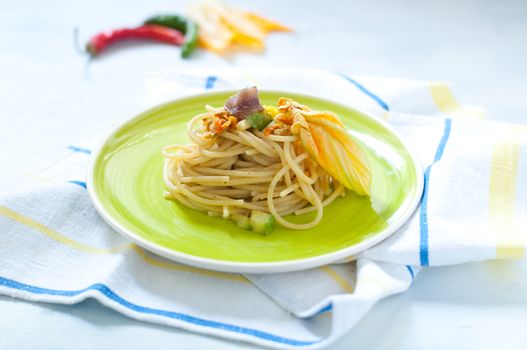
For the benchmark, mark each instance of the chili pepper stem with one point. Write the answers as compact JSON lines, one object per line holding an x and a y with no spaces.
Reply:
{"x":77,"y":44}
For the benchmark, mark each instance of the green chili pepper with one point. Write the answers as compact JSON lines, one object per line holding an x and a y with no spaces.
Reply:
{"x":186,"y":26}
{"x":191,"y":39}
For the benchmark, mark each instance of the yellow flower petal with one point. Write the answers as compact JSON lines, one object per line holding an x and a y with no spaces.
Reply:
{"x":245,"y":32}
{"x":338,"y":153}
{"x":213,"y":33}
{"x":267,"y":25}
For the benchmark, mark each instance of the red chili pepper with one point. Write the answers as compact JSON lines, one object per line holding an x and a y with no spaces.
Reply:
{"x":149,"y":31}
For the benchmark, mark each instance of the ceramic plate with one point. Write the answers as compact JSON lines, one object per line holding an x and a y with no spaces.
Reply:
{"x":126,"y":185}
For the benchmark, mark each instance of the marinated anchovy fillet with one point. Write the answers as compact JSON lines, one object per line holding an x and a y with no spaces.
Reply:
{"x":244,"y":103}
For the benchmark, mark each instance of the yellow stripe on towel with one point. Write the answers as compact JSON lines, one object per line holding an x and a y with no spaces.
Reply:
{"x":39,"y":178}
{"x":447,"y":103}
{"x":60,"y":238}
{"x":502,"y":193}
{"x":54,"y":235}
{"x":341,"y":281}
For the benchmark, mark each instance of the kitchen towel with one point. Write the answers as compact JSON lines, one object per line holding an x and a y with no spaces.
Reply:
{"x":55,"y":248}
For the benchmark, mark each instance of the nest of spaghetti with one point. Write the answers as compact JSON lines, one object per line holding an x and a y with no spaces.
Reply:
{"x":256,"y":164}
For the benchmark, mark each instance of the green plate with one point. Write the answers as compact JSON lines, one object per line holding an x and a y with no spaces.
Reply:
{"x":126,"y":185}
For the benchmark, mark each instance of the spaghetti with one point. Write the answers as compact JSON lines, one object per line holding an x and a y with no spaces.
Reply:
{"x":231,"y":169}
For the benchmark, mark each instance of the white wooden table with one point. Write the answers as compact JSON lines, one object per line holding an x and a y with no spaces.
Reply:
{"x":47,"y":102}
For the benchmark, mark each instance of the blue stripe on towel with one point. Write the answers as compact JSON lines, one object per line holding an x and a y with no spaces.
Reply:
{"x":108,"y":293}
{"x":326,"y":308}
{"x":409,"y":268}
{"x":80,"y":183}
{"x":423,"y":215}
{"x":367,"y":92}
{"x":444,"y":139}
{"x":79,"y":149}
{"x":209,"y":84}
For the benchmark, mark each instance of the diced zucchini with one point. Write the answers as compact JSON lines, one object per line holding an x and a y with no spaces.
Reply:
{"x":262,"y":222}
{"x":258,"y":120}
{"x":242,"y":221}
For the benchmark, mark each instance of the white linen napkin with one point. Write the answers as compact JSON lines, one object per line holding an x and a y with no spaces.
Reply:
{"x":55,"y":248}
